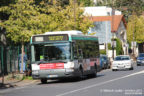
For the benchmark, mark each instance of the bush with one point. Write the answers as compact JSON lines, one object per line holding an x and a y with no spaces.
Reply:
{"x":103,"y":52}
{"x":119,"y":50}
{"x":109,"y":46}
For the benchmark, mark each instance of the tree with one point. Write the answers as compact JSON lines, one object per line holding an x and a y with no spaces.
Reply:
{"x":27,"y":17}
{"x":135,"y":29}
{"x":128,"y":7}
{"x":86,"y":2}
{"x":119,"y":50}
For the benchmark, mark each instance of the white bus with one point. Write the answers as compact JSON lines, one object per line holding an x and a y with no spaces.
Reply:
{"x":62,"y":54}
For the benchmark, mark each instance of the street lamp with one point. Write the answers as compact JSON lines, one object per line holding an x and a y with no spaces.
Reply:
{"x":112,"y":30}
{"x":75,"y":13}
{"x":113,"y":45}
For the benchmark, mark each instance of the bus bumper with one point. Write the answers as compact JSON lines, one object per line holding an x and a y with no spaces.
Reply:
{"x":54,"y":73}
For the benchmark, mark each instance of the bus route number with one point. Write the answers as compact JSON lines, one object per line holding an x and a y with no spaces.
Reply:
{"x":55,"y":38}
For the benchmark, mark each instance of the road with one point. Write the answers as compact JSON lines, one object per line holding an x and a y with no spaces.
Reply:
{"x":107,"y":83}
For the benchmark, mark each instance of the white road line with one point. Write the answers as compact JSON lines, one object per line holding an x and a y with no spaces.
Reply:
{"x":102,"y":83}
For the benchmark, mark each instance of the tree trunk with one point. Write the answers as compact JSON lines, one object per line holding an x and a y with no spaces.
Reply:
{"x":22,"y":55}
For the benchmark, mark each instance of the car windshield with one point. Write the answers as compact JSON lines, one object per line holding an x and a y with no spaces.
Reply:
{"x":103,"y":58}
{"x":119,"y":58}
{"x":52,"y":52}
{"x":141,"y":55}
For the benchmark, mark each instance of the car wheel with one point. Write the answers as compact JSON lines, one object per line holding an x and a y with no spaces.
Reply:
{"x":138,"y":64}
{"x":114,"y":70}
{"x":43,"y":81}
{"x":131,"y":68}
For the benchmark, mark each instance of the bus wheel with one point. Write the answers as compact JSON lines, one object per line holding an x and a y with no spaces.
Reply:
{"x":81,"y":72}
{"x":95,"y":73}
{"x":43,"y":81}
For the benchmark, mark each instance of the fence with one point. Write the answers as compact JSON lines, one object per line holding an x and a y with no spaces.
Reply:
{"x":9,"y":58}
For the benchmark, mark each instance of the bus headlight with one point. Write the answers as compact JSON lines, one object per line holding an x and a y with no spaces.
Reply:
{"x":69,"y":65}
{"x":35,"y":72}
{"x":35,"y":67}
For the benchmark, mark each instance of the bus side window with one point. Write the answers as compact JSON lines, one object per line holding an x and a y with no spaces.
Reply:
{"x":80,"y":53}
{"x":75,"y":54}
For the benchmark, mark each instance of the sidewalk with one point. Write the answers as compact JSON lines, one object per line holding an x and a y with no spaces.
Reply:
{"x":16,"y":81}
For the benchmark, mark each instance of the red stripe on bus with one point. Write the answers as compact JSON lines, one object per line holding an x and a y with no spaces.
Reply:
{"x":52,"y":66}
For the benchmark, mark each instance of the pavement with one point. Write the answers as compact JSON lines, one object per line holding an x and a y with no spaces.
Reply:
{"x":16,"y":80}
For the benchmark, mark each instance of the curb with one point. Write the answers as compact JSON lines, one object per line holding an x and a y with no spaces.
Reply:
{"x":33,"y":81}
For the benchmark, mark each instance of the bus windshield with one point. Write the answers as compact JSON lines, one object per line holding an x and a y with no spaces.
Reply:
{"x":52,"y":52}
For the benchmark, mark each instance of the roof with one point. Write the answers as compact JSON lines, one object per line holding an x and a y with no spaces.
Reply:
{"x":116,"y":20}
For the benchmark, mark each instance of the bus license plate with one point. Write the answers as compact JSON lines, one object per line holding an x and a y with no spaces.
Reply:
{"x":52,"y":75}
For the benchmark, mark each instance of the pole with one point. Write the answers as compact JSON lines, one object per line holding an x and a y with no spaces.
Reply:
{"x":106,"y":38}
{"x":112,"y":30}
{"x":22,"y":55}
{"x":133,"y":38}
{"x":75,"y":14}
{"x":2,"y":65}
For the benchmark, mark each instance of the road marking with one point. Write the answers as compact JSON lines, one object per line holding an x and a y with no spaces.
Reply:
{"x":102,"y":83}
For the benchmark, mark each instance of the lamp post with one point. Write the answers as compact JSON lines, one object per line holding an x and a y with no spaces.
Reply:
{"x":112,"y":30}
{"x":75,"y":14}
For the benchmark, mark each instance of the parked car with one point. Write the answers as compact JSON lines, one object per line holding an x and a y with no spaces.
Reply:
{"x":104,"y":62}
{"x":122,"y":62}
{"x":140,"y":59}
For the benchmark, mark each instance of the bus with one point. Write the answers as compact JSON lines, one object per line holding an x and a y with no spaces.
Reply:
{"x":63,"y":54}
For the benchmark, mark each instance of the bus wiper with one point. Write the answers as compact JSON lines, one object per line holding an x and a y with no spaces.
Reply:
{"x":61,"y":61}
{"x":41,"y":62}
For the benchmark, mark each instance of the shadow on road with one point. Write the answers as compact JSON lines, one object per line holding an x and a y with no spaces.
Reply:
{"x":70,"y":80}
{"x":6,"y":86}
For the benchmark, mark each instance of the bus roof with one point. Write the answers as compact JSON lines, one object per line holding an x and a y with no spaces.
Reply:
{"x":62,"y":36}
{"x":72,"y":32}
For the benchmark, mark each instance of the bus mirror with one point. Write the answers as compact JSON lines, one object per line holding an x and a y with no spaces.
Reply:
{"x":75,"y":57}
{"x":73,"y":44}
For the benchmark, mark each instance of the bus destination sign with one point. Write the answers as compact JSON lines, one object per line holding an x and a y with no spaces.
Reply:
{"x":47,"y":38}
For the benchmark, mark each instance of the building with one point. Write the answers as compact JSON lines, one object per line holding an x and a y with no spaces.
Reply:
{"x":100,"y":11}
{"x":108,"y":25}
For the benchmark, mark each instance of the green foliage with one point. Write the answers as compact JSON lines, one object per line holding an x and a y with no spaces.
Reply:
{"x":86,"y":2}
{"x":135,"y":28}
{"x":27,"y":17}
{"x":27,"y":78}
{"x":109,"y":46}
{"x":119,"y":50}
{"x":128,"y":7}
{"x":103,"y":52}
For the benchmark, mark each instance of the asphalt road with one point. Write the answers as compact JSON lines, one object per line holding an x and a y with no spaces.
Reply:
{"x":108,"y":83}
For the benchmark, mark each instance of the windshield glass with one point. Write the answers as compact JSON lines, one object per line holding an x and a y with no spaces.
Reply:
{"x":141,"y":55}
{"x":52,"y":52}
{"x":118,"y":58}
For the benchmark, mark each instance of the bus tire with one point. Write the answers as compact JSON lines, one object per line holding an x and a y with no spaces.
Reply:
{"x":43,"y":81}
{"x":81,"y":72}
{"x":95,"y":73}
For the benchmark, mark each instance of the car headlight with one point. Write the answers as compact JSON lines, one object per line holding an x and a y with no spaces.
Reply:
{"x":128,"y":64}
{"x":138,"y":60}
{"x":114,"y":64}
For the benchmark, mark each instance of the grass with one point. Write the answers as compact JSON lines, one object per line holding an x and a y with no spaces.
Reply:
{"x":27,"y":78}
